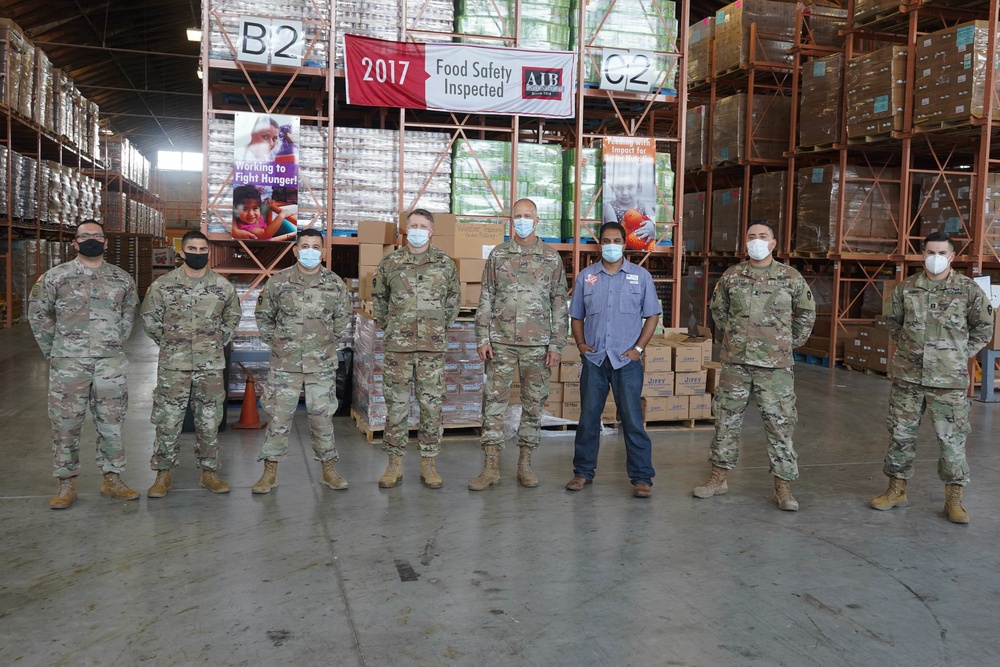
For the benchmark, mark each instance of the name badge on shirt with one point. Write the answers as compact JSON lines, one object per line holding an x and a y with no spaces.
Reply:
{"x":632,"y":278}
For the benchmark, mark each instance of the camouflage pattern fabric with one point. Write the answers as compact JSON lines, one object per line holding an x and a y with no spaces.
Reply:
{"x":534,"y":392}
{"x":281,"y":397}
{"x":426,"y":370}
{"x":764,"y":314}
{"x":192,"y":320}
{"x":774,"y":391}
{"x":76,"y":311}
{"x":523,"y":299}
{"x":415,"y":297}
{"x":949,"y":409}
{"x":302,"y":318}
{"x":73,"y":383}
{"x":174,"y":389}
{"x":938,"y":326}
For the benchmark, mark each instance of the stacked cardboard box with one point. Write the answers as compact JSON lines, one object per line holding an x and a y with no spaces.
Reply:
{"x":727,"y":216}
{"x":376,"y":239}
{"x":771,"y":116}
{"x":822,"y":101}
{"x":469,"y":244}
{"x":944,"y":205}
{"x":951,"y":75}
{"x":695,"y":141}
{"x":699,"y":60}
{"x":767,"y":198}
{"x":871,"y":348}
{"x":867,"y":9}
{"x":677,"y":376}
{"x":869,"y":207}
{"x":876,"y":86}
{"x":775,"y":30}
{"x":826,"y":21}
{"x":694,"y":222}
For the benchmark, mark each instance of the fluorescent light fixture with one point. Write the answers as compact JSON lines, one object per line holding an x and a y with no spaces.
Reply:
{"x":201,"y":75}
{"x":194,"y":34}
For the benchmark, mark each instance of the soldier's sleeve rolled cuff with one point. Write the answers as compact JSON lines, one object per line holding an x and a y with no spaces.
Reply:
{"x":556,"y":349}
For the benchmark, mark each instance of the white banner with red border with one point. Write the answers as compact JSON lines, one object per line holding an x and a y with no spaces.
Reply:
{"x":459,"y":77}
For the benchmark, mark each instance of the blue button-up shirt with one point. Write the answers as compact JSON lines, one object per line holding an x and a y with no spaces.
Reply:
{"x":613,"y":308}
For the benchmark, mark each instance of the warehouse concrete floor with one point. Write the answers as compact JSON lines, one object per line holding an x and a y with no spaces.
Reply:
{"x":510,"y":576}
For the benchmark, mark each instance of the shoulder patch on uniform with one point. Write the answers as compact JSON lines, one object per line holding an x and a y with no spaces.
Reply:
{"x":989,"y":308}
{"x":260,"y":298}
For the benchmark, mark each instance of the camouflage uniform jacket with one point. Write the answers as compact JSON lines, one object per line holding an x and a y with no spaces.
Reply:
{"x":415,"y":297}
{"x":523,"y":300}
{"x":76,"y":311}
{"x":937,"y":327}
{"x":191,"y":319}
{"x":302,"y":318}
{"x":763,"y":317}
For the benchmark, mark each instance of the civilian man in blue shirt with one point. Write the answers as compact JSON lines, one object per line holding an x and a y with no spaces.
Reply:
{"x":613,"y":315}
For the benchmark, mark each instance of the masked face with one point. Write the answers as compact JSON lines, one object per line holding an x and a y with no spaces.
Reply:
{"x":936,"y":264}
{"x":90,"y":241}
{"x":612,"y":252}
{"x":418,"y":238}
{"x":196,"y":261}
{"x":937,"y":257}
{"x":758,"y":249}
{"x":310,"y":257}
{"x":524,"y":226}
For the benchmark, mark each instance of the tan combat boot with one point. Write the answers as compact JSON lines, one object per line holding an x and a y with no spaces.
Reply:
{"x":160,"y":485}
{"x":66,"y":494}
{"x":490,"y":476}
{"x":331,"y":478}
{"x":953,"y":504}
{"x":783,"y":496}
{"x":524,"y":474}
{"x":428,"y":473}
{"x":268,"y":479}
{"x":210,"y":480}
{"x":114,"y":487}
{"x":894,"y":496}
{"x":393,"y":474}
{"x":715,"y":486}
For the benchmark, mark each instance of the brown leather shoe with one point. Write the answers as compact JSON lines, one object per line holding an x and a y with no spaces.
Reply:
{"x":578,"y":483}
{"x":642,"y":490}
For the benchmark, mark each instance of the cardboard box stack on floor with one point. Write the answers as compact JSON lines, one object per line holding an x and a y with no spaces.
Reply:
{"x":375,"y":241}
{"x":679,"y":376}
{"x":469,"y":244}
{"x":871,"y":348}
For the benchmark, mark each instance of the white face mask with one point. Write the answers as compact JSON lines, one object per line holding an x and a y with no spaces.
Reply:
{"x":936,"y":264}
{"x":523,"y":227}
{"x":418,"y":238}
{"x":758,"y":249}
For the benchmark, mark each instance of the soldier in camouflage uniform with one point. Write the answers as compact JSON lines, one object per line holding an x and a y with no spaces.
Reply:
{"x":302,"y":313}
{"x":765,"y":310}
{"x":81,"y":313}
{"x":192,"y":314}
{"x":938,"y":319}
{"x":415,"y":296}
{"x":522,"y":323}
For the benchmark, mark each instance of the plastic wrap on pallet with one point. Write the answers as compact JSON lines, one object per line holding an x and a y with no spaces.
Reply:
{"x":699,"y":61}
{"x":876,"y":86}
{"x":314,"y":15}
{"x":771,"y":118}
{"x":727,"y":216}
{"x":694,"y":222}
{"x":651,"y":26}
{"x":822,"y":101}
{"x":540,"y":178}
{"x":826,"y":21}
{"x":591,"y":205}
{"x":951,"y":75}
{"x":866,"y":9}
{"x":944,"y":205}
{"x":767,"y":198}
{"x":664,"y":198}
{"x":695,"y":139}
{"x":480,"y":177}
{"x":775,"y":30}
{"x":869,"y":209}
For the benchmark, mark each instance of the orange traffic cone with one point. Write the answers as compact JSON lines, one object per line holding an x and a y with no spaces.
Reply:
{"x":248,"y":414}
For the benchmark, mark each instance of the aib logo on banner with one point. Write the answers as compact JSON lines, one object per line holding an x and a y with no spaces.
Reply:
{"x":541,"y":83}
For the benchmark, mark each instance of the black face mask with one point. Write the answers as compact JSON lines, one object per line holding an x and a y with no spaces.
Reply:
{"x":91,"y":248}
{"x":196,"y":262}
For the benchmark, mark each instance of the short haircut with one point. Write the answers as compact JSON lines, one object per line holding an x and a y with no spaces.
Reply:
{"x":421,"y":212}
{"x":245,"y":192}
{"x":534,"y":206}
{"x":611,"y":225}
{"x":193,"y":235}
{"x":305,"y":233}
{"x":764,"y":223}
{"x":89,"y":222}
{"x":938,"y":237}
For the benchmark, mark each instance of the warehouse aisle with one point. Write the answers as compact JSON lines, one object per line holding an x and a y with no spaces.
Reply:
{"x":510,"y":576}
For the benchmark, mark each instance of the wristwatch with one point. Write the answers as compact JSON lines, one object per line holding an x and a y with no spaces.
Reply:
{"x":637,"y":349}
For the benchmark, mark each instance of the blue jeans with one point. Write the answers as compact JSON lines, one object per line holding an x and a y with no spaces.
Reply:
{"x":626,"y":383}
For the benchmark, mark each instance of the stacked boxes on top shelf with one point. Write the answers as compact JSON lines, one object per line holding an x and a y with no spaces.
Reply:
{"x":775,"y":34}
{"x":876,"y":86}
{"x":822,"y":101}
{"x":699,"y":56}
{"x":771,"y":115}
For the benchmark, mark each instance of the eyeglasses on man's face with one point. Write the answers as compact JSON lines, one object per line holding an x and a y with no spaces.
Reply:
{"x":88,"y":237}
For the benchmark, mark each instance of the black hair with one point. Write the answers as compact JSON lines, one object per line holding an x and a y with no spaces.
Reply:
{"x":938,"y":237}
{"x":245,"y":192}
{"x":193,"y":235}
{"x":308,"y":232}
{"x":766,"y":223}
{"x":90,"y":222}
{"x":611,"y":225}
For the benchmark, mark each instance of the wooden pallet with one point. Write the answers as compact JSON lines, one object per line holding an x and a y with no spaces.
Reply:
{"x":451,"y":432}
{"x":810,"y":254}
{"x":967,"y":123}
{"x":818,"y":148}
{"x":879,"y":138}
{"x":680,"y":423}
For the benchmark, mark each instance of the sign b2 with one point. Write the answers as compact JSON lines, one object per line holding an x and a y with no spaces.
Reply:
{"x":270,"y":41}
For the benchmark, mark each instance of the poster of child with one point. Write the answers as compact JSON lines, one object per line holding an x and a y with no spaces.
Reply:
{"x":258,"y":219}
{"x":630,"y":188}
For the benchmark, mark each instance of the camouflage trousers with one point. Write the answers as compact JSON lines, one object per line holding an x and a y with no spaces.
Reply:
{"x":949,"y":410}
{"x":534,"y":392}
{"x":281,"y":398}
{"x":207,"y":395}
{"x":426,"y":369}
{"x":774,"y":391}
{"x":73,"y":382}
